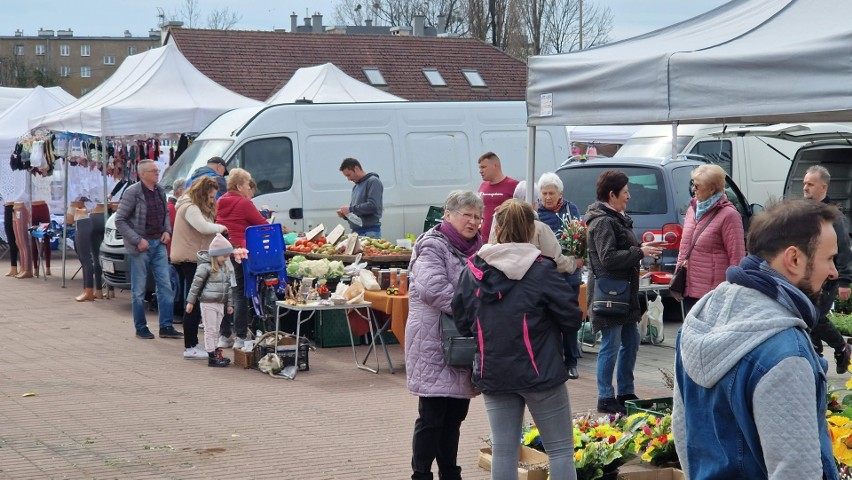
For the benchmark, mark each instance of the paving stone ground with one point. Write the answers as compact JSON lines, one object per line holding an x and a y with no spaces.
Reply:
{"x":108,"y":405}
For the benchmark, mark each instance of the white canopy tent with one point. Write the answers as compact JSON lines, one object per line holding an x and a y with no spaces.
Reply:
{"x":613,"y":134}
{"x":10,"y":95}
{"x":157,"y":91}
{"x":328,"y":84}
{"x":760,"y":61}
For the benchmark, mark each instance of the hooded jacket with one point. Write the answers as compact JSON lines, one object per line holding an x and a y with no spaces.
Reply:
{"x":367,"y":201}
{"x":720,"y":245}
{"x":613,"y":252}
{"x":432,"y":277}
{"x":514,"y":302}
{"x":750,"y":392}
{"x":209,"y":286}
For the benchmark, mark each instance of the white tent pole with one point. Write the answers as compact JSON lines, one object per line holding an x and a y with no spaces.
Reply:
{"x":531,"y":166}
{"x":674,"y":140}
{"x":65,"y":219}
{"x":105,"y":159}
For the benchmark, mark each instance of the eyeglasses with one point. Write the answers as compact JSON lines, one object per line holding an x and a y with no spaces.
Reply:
{"x":469,"y":216}
{"x":693,"y":185}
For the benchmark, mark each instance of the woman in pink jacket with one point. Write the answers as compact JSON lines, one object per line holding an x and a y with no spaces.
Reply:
{"x":713,"y":231}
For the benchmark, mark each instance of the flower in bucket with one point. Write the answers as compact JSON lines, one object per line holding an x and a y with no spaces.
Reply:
{"x":652,"y":438}
{"x":572,"y":237}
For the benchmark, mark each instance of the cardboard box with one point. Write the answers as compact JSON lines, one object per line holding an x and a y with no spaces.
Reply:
{"x":244,"y":359}
{"x":658,"y":474}
{"x":532,"y":463}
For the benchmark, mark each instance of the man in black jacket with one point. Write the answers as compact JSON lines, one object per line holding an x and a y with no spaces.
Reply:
{"x":815,"y":187}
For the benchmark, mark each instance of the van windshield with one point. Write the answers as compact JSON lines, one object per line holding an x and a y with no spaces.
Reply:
{"x":651,"y":146}
{"x":195,"y":156}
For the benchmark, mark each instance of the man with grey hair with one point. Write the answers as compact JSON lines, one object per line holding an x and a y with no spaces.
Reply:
{"x":815,"y":187}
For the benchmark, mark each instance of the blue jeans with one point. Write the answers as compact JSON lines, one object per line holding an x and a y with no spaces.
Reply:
{"x":372,"y":232}
{"x":157,"y":260}
{"x":551,"y":412}
{"x":621,"y":343}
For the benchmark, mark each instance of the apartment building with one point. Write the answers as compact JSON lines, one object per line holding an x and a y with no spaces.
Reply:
{"x":77,"y":64}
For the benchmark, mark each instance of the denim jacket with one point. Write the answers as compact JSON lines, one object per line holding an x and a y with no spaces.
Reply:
{"x":750,"y":393}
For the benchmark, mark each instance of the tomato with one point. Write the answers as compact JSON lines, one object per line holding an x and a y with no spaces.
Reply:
{"x":300,"y":242}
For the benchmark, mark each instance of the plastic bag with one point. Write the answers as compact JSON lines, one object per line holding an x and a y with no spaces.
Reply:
{"x":355,"y":292}
{"x":651,"y":326}
{"x":369,"y":281}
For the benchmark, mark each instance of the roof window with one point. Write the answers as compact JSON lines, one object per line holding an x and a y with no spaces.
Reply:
{"x":474,"y":78}
{"x":375,"y":77}
{"x":434,"y":77}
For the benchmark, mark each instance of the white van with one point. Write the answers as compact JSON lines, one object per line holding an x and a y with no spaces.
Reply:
{"x":420,"y":150}
{"x":757,"y":165}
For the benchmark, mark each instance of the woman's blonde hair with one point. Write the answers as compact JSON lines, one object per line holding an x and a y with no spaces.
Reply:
{"x":198,"y":192}
{"x":515,"y":222}
{"x":237,"y":177}
{"x":712,"y":175}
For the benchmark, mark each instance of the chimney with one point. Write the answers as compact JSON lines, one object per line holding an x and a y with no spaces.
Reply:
{"x":19,"y":33}
{"x":442,"y":22}
{"x":45,"y":33}
{"x":308,"y":23}
{"x":317,"y":23}
{"x":128,"y":35}
{"x":294,"y":22}
{"x":403,"y":31}
{"x":65,"y":33}
{"x":368,"y":23}
{"x":419,"y":25}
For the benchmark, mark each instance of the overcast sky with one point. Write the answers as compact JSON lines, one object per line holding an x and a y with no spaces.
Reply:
{"x":112,"y":18}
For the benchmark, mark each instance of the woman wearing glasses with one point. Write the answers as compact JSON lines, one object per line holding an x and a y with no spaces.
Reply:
{"x":712,"y":231}
{"x":439,"y":256}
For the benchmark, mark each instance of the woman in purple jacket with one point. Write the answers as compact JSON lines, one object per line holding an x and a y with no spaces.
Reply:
{"x":438,"y":258}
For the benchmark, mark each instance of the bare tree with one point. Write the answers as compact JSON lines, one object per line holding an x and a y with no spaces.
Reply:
{"x":224,"y":19}
{"x":562,"y":26}
{"x":16,"y":72}
{"x":402,"y":12}
{"x":189,"y":13}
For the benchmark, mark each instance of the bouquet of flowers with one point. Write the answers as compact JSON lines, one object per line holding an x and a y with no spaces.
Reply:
{"x":572,"y":237}
{"x":652,"y":438}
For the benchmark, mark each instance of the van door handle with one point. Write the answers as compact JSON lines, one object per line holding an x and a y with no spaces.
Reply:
{"x":296,"y":213}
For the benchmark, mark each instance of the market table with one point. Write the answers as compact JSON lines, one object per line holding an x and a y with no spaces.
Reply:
{"x":312,"y":308}
{"x":396,"y":306}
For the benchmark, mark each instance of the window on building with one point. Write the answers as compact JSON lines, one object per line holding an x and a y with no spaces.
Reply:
{"x":64,"y":71}
{"x":85,"y":50}
{"x":109,"y":59}
{"x":474,"y":78}
{"x":84,"y":91}
{"x":19,"y":50}
{"x":65,"y":50}
{"x":85,"y":72}
{"x":39,"y":49}
{"x":434,"y":77}
{"x":375,"y":77}
{"x":131,"y":50}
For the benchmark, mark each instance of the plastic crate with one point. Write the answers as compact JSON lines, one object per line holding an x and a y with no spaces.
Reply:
{"x":331,"y":329}
{"x":657,"y":407}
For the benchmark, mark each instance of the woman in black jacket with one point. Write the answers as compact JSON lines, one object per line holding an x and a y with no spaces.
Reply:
{"x":513,"y":301}
{"x":614,"y":252}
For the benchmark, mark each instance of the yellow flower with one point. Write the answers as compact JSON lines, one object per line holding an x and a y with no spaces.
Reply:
{"x":531,"y":435}
{"x":849,"y":384}
{"x":838,"y":420}
{"x":578,"y":455}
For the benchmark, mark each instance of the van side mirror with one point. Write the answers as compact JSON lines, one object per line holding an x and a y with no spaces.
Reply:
{"x":755,"y":208}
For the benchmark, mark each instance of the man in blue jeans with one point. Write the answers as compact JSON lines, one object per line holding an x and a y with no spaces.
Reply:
{"x":143,"y":221}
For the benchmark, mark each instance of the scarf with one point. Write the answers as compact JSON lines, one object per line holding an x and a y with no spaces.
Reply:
{"x":754,"y":272}
{"x":463,"y":245}
{"x":702,"y":206}
{"x":556,"y":208}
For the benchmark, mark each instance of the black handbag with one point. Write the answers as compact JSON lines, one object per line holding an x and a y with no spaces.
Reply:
{"x":458,"y":349}
{"x":611,"y":296}
{"x":678,"y":282}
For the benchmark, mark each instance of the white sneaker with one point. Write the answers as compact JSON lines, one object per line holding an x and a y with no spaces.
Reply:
{"x":194,"y":354}
{"x":201,"y":351}
{"x":239,"y":343}
{"x":225,"y":342}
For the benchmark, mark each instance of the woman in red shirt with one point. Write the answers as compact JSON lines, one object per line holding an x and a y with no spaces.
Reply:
{"x":236,"y":212}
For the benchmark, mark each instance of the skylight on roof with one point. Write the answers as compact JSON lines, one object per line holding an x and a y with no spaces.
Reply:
{"x":434,"y":77}
{"x":375,"y":77}
{"x":474,"y":78}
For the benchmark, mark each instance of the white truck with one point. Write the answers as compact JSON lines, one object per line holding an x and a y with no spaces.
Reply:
{"x":758,"y":165}
{"x":420,"y":150}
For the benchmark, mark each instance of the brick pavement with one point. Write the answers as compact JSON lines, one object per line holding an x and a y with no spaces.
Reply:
{"x":109,"y":405}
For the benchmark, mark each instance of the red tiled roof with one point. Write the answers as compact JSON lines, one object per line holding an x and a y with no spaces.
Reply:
{"x":256,"y":64}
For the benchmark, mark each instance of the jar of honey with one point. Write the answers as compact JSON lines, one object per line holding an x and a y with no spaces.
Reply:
{"x":403,"y":282}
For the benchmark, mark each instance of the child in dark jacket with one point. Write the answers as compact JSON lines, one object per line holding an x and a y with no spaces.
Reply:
{"x":513,"y":301}
{"x":212,"y":287}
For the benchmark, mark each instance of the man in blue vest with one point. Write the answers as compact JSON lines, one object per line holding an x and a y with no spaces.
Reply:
{"x":750,"y":391}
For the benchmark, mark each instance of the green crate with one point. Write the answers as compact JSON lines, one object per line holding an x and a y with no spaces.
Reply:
{"x":657,"y":407}
{"x":331,"y":329}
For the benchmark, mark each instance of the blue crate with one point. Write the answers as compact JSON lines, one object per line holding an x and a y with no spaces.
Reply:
{"x":265,"y":245}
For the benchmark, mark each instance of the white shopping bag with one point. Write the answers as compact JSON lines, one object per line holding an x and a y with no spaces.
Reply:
{"x":651,"y":325}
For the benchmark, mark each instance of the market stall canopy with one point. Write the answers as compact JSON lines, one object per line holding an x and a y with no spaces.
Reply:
{"x":613,"y":134}
{"x":328,"y":84}
{"x":764,"y":61}
{"x":13,"y":124}
{"x":157,"y":91}
{"x":9,"y":95}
